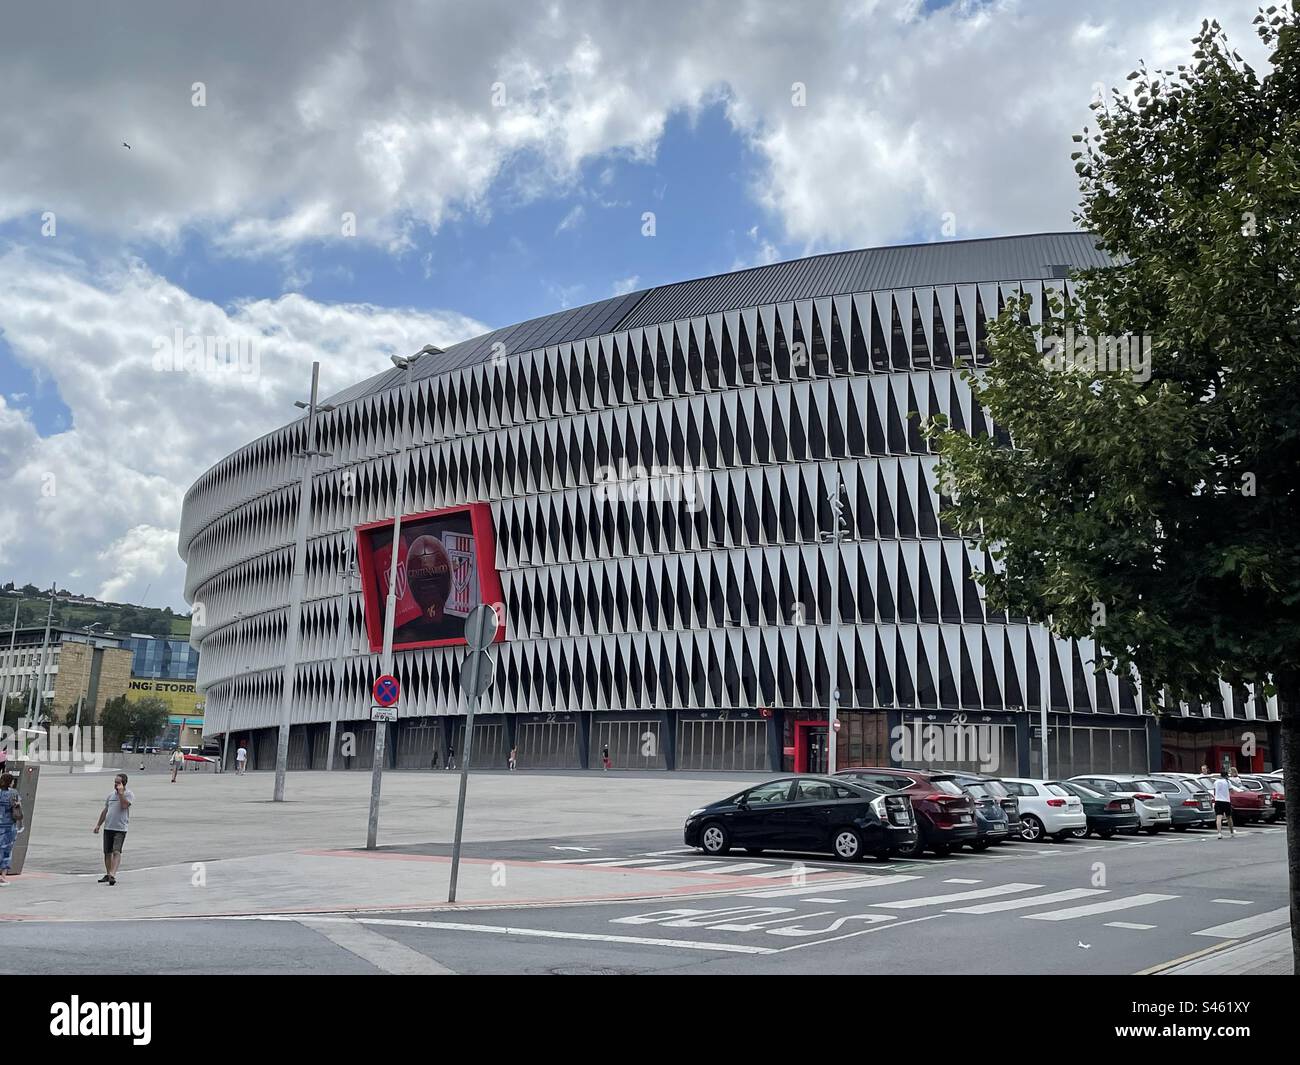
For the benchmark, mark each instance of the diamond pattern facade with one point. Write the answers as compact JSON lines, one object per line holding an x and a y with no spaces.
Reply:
{"x":684,"y":621}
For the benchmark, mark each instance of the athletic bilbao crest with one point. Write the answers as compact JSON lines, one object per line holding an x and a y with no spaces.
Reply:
{"x":464,"y":573}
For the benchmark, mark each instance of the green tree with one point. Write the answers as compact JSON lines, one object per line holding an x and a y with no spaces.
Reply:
{"x":1162,"y":517}
{"x":138,"y":720}
{"x":116,"y":720}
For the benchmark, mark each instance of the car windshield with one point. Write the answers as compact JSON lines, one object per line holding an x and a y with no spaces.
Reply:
{"x":1084,"y":790}
{"x":1144,"y":785}
{"x":996,"y":788}
{"x":947,"y":785}
{"x":978,"y":789}
{"x":1057,"y":789}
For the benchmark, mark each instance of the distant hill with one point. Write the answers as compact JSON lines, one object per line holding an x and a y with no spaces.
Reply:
{"x":120,"y":618}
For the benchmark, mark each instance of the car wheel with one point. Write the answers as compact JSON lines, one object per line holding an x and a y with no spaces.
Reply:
{"x":1031,"y":828}
{"x":911,"y":850}
{"x":1079,"y":833}
{"x":847,"y":845}
{"x":980,"y":845}
{"x":753,"y":850}
{"x":714,"y":839}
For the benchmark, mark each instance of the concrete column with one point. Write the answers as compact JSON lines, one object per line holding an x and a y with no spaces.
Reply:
{"x":668,"y":738}
{"x":1024,"y":737}
{"x":1153,"y":743}
{"x":893,"y":723}
{"x":584,"y":739}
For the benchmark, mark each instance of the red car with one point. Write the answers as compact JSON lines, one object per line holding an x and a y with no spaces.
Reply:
{"x":945,"y":813}
{"x":1272,"y":787}
{"x":1247,"y":805}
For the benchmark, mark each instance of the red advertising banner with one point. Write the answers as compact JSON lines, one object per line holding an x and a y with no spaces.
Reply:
{"x":446,"y":566}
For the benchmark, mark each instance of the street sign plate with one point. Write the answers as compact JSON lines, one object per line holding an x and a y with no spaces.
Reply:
{"x":386,"y":690}
{"x":475,"y":674}
{"x":481,"y":627}
{"x":383,"y":713}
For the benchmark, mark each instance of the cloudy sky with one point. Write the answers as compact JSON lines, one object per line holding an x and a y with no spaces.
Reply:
{"x":342,"y":181}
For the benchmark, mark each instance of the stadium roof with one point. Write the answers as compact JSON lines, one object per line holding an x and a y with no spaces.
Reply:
{"x":1038,"y":256}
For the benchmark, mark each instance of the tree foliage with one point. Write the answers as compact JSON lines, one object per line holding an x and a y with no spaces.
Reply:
{"x":1160,"y":516}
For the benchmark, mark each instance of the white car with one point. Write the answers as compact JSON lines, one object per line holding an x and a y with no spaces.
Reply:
{"x":1046,"y":809}
{"x":1148,"y":800}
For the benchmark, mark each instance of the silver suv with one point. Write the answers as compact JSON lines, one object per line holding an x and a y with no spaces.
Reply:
{"x":1148,"y":800}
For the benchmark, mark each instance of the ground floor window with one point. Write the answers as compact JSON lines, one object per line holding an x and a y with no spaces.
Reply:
{"x":1075,"y":749}
{"x":726,"y":744}
{"x":923,"y":742}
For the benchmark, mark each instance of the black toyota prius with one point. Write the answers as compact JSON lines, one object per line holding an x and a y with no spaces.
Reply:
{"x":806,"y":813}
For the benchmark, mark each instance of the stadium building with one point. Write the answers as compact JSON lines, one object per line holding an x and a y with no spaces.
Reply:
{"x":705,"y":508}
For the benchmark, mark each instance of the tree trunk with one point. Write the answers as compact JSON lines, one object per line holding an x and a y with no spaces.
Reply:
{"x":1288,"y":699}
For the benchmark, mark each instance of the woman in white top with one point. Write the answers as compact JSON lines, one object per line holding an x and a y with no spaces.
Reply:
{"x":1223,"y":804}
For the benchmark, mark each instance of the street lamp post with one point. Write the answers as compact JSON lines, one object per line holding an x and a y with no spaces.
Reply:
{"x":390,"y":604}
{"x":836,"y":499}
{"x":348,"y":573}
{"x":293,"y":634}
{"x":36,"y":698}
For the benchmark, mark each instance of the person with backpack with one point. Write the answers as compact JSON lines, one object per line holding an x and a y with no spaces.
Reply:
{"x":11,"y":822}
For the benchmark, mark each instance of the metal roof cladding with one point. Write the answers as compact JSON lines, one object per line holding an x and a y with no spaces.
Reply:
{"x":1037,"y":256}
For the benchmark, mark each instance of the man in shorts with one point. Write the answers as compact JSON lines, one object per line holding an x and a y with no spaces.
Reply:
{"x":1223,"y":804}
{"x":241,"y":760}
{"x":114,"y":819}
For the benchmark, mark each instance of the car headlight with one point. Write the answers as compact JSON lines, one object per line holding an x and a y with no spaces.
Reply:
{"x":696,"y":813}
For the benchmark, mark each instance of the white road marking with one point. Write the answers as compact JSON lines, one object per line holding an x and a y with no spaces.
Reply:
{"x":847,"y":884}
{"x":826,"y":900}
{"x":786,"y":870}
{"x":735,"y":867}
{"x":507,"y":930}
{"x":592,"y":862}
{"x":957,"y":896}
{"x":1069,"y":914}
{"x":383,"y":953}
{"x":1126,"y":924}
{"x":960,"y":880}
{"x":1034,"y":900}
{"x":1234,"y":902}
{"x":685,"y":865}
{"x":1247,"y":926}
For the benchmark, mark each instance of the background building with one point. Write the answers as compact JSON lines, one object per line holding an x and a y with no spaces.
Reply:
{"x":684,"y":622}
{"x":167,"y":669}
{"x":75,"y":664}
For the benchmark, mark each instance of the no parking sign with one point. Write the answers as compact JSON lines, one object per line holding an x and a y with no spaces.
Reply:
{"x":386,"y":690}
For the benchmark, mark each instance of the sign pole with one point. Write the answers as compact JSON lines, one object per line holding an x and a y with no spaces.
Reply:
{"x":476,"y":674}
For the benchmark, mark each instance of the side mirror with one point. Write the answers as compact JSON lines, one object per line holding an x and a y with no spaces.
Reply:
{"x":743,"y":802}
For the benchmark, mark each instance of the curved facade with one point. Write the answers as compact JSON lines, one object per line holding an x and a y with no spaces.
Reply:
{"x":684,"y":621}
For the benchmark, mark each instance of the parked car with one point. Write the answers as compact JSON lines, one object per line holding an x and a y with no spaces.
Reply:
{"x":1273,"y":788}
{"x":806,"y":813}
{"x":999,"y":790}
{"x":1106,"y":813}
{"x":1247,"y":805}
{"x":991,"y":823}
{"x":945,"y":814}
{"x":1046,"y":809}
{"x":1149,"y":801}
{"x":1190,"y":805}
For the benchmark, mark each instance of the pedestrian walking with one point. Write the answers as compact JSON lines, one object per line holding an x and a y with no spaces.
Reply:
{"x":451,"y":756}
{"x":1223,"y":804}
{"x":11,"y":822}
{"x":433,"y":762}
{"x":241,"y":760}
{"x":178,"y":762}
{"x":512,"y":760}
{"x":604,"y":756}
{"x":114,"y":819}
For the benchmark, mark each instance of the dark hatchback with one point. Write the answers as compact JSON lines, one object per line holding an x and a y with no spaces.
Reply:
{"x":1106,"y":814}
{"x":806,"y":813}
{"x":945,"y":814}
{"x":981,"y":788}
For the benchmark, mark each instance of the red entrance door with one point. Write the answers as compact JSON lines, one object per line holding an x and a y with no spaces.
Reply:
{"x":810,"y":746}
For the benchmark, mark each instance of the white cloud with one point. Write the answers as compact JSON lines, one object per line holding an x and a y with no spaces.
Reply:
{"x":141,"y":435}
{"x":387,"y":111}
{"x":625,"y":285}
{"x":572,"y":219}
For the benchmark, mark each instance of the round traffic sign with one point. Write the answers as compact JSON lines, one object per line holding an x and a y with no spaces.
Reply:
{"x":475,"y":674}
{"x":386,"y":690}
{"x":836,"y":725}
{"x":481,"y":626}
